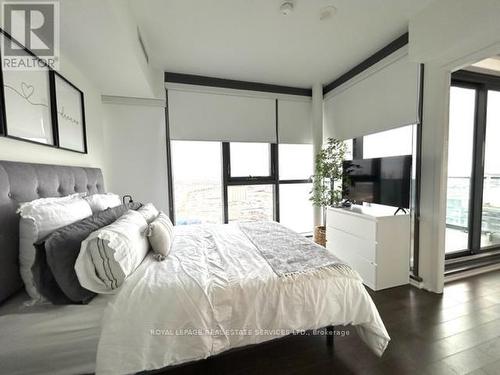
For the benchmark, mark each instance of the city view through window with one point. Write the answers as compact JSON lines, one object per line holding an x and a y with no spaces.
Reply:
{"x":197,"y":169}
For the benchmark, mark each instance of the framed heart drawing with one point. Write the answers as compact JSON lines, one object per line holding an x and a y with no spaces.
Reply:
{"x":27,"y":103}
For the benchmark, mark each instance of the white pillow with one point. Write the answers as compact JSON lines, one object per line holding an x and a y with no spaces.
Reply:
{"x":38,"y":219}
{"x":99,"y":202}
{"x":149,"y":212}
{"x":160,"y":233}
{"x":112,"y":253}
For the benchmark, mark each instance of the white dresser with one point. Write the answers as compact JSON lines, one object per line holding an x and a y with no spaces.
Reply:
{"x":373,"y":241}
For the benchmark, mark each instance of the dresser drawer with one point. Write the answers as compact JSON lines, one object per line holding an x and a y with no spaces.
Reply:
{"x":340,"y":240}
{"x":367,"y":270}
{"x":349,"y":223}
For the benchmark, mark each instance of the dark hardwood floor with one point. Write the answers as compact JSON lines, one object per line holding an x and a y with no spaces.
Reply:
{"x":454,"y":333}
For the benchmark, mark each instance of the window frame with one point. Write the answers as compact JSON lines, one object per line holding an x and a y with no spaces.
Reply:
{"x":481,"y":83}
{"x":228,"y":180}
{"x":226,"y":152}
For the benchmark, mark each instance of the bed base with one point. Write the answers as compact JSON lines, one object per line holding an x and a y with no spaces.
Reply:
{"x":178,"y":369}
{"x":330,"y":334}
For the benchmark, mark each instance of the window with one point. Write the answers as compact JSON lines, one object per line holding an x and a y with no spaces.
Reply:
{"x":296,"y":210}
{"x":250,"y":159}
{"x":222,"y":182}
{"x":197,"y":182}
{"x":490,"y":227}
{"x":250,"y":181}
{"x":460,"y":142}
{"x":250,"y":203}
{"x":217,"y":182}
{"x":296,"y":164}
{"x":392,"y":142}
{"x":349,"y":143}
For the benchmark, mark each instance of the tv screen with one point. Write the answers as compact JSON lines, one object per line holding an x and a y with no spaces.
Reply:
{"x":381,"y":180}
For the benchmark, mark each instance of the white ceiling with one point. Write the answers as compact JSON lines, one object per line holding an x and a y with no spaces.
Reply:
{"x":100,"y":38}
{"x":251,"y":40}
{"x":489,"y":66}
{"x":235,"y":39}
{"x":492,"y":63}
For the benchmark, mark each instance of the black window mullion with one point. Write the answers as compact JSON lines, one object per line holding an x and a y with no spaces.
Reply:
{"x":357,"y":148}
{"x":275,"y":173}
{"x":275,"y":164}
{"x":301,"y":181}
{"x":168,"y":149}
{"x":226,"y":168}
{"x":476,"y":201}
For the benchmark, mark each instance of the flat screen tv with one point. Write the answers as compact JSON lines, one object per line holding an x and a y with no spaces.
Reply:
{"x":381,"y":180}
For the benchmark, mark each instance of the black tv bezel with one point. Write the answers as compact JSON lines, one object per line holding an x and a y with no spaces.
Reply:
{"x":407,"y":161}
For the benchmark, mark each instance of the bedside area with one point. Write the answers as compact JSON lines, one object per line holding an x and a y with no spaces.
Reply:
{"x":373,"y":241}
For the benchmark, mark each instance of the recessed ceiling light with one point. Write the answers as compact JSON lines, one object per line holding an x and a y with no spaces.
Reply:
{"x":286,"y":8}
{"x":327,"y":12}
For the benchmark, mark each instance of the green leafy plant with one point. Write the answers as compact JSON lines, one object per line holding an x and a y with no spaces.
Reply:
{"x":327,"y":191}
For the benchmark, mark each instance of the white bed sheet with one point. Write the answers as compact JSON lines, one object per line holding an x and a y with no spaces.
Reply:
{"x":48,"y":339}
{"x":211,"y":292}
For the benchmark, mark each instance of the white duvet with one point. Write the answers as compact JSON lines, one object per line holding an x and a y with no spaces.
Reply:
{"x":215,"y":292}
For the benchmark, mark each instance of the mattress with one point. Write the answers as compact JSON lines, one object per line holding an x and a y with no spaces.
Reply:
{"x":48,"y":339}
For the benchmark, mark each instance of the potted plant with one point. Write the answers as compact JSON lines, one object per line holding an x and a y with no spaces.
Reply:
{"x":327,"y":191}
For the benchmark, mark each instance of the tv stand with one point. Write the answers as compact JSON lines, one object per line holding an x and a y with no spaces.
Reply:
{"x":373,"y":241}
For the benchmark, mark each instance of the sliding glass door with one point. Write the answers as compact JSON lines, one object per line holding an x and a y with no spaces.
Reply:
{"x":473,"y":194}
{"x":460,"y":156}
{"x":490,"y":222}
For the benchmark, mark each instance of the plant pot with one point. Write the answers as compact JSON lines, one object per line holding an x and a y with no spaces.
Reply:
{"x":320,"y":235}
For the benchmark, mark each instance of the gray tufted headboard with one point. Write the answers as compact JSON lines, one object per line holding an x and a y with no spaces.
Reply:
{"x":24,"y":182}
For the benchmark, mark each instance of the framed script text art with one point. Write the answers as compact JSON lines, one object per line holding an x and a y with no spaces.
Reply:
{"x":70,"y":115}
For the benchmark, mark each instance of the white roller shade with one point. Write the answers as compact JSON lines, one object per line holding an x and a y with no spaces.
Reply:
{"x":384,"y":99}
{"x":203,"y":116}
{"x":295,"y":121}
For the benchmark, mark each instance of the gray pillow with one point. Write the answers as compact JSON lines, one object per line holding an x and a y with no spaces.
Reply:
{"x":54,"y":267}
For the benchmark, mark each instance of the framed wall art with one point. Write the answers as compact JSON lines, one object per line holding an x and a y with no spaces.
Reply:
{"x":37,"y":104}
{"x":26,"y":100}
{"x":69,"y":106}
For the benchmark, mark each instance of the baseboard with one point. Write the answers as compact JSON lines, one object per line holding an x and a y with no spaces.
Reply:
{"x":472,"y":272}
{"x":416,"y":283}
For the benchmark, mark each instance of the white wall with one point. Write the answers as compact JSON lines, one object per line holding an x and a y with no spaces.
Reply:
{"x":135,"y":150}
{"x":433,"y":177}
{"x":26,"y":152}
{"x":447,"y":30}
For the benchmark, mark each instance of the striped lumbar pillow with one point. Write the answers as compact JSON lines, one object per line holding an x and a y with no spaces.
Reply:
{"x":112,"y":253}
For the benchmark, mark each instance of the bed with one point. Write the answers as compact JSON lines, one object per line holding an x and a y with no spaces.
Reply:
{"x":218,"y":289}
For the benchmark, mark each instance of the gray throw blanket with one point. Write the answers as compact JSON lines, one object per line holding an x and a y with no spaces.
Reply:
{"x":290,"y":254}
